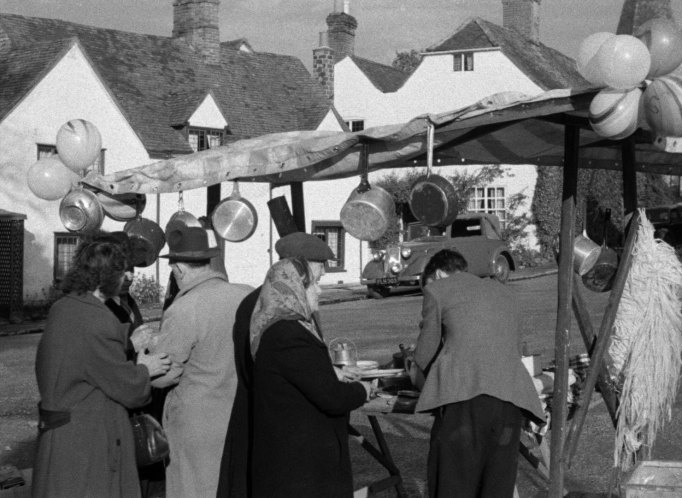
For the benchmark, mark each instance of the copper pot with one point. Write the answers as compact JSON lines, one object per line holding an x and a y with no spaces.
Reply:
{"x":81,"y":211}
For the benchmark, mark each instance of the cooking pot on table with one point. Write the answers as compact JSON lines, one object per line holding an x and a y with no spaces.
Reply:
{"x":146,"y":241}
{"x":81,"y":211}
{"x":122,"y":207}
{"x":234,"y":218}
{"x":368,"y":211}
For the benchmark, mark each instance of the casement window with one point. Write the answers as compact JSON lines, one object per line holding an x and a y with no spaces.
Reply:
{"x":46,"y":150}
{"x":333,"y":234}
{"x":356,"y":124}
{"x":463,"y":61}
{"x":489,"y":200}
{"x":65,"y":244}
{"x":205,"y":138}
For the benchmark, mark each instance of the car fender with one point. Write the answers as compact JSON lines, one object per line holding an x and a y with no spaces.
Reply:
{"x":416,"y":266}
{"x":507,"y":254}
{"x":373,"y":270}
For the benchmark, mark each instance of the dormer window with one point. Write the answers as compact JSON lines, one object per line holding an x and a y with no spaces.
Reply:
{"x":205,"y":138}
{"x":463,"y":61}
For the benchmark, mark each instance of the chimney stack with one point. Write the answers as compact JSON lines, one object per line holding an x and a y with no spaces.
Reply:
{"x":522,"y":16}
{"x":323,"y":65}
{"x":196,"y":21}
{"x":341,"y":32}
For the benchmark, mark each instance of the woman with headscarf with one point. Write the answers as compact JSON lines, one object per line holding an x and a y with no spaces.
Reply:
{"x":301,"y":406}
{"x":86,"y":383}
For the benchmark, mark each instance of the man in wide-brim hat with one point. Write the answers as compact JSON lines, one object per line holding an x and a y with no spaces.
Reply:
{"x":196,"y":331}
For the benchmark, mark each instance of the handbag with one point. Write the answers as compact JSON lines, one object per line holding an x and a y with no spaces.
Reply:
{"x":151,"y":444}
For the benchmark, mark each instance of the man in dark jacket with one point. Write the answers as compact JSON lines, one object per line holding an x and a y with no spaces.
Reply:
{"x":476,"y":385}
{"x":235,"y":468}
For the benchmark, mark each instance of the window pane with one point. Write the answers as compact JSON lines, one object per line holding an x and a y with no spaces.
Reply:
{"x":469,"y":61}
{"x":457,"y":62}
{"x":46,"y":150}
{"x":65,"y":250}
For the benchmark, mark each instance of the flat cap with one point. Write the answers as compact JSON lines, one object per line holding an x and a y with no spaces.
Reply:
{"x":304,"y":245}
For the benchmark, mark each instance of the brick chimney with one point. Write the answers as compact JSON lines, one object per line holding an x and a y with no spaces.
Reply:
{"x":323,"y":65}
{"x":637,"y":12}
{"x":196,"y":21}
{"x":523,"y":16}
{"x":341,"y":31}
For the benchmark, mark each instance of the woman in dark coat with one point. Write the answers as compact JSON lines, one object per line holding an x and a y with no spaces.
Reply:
{"x":301,"y":407}
{"x":85,"y":442}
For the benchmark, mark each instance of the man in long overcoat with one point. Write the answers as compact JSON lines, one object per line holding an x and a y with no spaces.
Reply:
{"x":196,"y":331}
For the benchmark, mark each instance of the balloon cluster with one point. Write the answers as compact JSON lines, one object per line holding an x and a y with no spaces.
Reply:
{"x":622,"y":63}
{"x":78,"y":145}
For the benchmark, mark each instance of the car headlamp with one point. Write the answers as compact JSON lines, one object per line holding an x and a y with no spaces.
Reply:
{"x":406,"y":252}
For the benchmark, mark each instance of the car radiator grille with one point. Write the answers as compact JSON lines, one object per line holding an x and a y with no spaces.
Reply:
{"x":392,"y":257}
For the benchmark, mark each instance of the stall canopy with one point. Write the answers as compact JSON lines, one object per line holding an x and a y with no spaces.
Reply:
{"x":505,"y":128}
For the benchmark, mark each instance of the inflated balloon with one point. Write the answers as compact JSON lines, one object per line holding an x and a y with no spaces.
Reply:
{"x":663,"y":106}
{"x":663,"y":38}
{"x":50,"y":179}
{"x":613,"y":113}
{"x":78,"y":144}
{"x":585,"y":59}
{"x":622,"y":62}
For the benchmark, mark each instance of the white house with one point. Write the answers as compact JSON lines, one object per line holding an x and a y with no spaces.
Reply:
{"x":478,"y":60}
{"x":152,"y":98}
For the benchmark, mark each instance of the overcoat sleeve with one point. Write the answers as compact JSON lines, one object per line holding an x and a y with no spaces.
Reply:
{"x":108,"y":368}
{"x":177,"y":338}
{"x":304,"y":362}
{"x":431,"y":333}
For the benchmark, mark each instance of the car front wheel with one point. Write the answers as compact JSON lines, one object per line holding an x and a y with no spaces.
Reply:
{"x":377,"y":291}
{"x":501,"y":269}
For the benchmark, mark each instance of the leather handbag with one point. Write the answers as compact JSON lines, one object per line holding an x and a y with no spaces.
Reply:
{"x":151,"y":444}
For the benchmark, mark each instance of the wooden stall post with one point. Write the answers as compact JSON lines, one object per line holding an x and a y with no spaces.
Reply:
{"x":629,"y":175}
{"x":298,"y":205}
{"x":561,"y":341}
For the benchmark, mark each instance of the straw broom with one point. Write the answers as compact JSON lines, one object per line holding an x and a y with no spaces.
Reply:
{"x":645,"y":352}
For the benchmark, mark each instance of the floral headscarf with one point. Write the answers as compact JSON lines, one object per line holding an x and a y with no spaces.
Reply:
{"x":282,"y":297}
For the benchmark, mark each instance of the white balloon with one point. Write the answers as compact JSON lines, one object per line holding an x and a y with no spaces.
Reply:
{"x":79,"y":143}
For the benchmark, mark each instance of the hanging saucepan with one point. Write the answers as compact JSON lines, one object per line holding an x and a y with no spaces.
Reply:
{"x":146,"y":240}
{"x":122,"y":207}
{"x":433,"y":199}
{"x":600,"y":277}
{"x":234,"y":218}
{"x":181,"y":217}
{"x":81,"y":211}
{"x":368,"y":211}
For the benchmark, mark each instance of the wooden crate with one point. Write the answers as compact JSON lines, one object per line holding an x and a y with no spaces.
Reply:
{"x":655,"y":478}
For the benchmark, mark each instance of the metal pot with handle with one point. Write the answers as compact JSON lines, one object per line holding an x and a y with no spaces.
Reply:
{"x":146,"y":241}
{"x":181,"y":217}
{"x":234,"y":218}
{"x":433,"y":199}
{"x":122,"y":207}
{"x":600,"y":277}
{"x":81,"y":211}
{"x":368,"y":211}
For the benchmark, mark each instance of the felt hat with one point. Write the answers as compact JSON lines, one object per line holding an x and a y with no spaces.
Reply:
{"x":304,"y":245}
{"x":189,"y":244}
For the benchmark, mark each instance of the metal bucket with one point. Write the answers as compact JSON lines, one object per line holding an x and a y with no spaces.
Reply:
{"x":585,"y":253}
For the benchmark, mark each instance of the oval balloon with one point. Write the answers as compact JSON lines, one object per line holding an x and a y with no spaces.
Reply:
{"x":50,"y":179}
{"x":622,"y":62}
{"x":663,"y":106}
{"x":613,"y":113}
{"x":78,"y":144}
{"x":588,"y":49}
{"x":663,"y":38}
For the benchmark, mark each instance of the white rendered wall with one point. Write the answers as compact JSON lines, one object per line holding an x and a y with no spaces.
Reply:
{"x":208,"y":115}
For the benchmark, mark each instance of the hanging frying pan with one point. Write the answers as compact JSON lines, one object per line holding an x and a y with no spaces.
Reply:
{"x":368,"y":211}
{"x":122,"y":207}
{"x":234,"y":218}
{"x":433,"y":199}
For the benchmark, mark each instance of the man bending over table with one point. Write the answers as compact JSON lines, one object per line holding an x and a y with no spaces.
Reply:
{"x":469,"y":348}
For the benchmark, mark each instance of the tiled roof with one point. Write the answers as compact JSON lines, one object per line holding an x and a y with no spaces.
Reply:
{"x":385,"y":78}
{"x":546,"y":67}
{"x":155,"y":78}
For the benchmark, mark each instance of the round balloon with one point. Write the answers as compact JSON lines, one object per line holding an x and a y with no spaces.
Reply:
{"x":588,"y":49}
{"x":663,"y":38}
{"x":78,"y":144}
{"x":622,"y":62}
{"x":663,"y":106}
{"x":613,"y":113}
{"x":50,"y":179}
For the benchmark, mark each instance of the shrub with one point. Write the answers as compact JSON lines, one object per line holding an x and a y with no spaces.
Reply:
{"x":146,"y":290}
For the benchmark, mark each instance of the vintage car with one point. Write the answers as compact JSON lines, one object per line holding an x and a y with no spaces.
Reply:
{"x":476,"y":236}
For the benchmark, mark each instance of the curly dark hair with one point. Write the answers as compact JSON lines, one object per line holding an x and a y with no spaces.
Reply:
{"x":96,"y":264}
{"x":446,"y":260}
